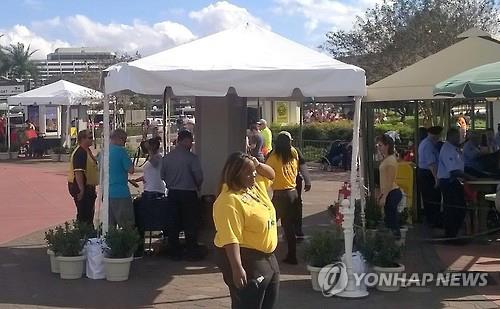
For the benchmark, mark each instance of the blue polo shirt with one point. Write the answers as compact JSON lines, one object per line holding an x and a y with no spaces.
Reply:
{"x":119,"y":164}
{"x":471,"y":155}
{"x":450,"y":159}
{"x":427,"y":154}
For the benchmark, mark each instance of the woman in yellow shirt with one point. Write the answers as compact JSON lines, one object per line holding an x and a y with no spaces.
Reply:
{"x":390,"y":193}
{"x":246,"y":233}
{"x":284,"y":159}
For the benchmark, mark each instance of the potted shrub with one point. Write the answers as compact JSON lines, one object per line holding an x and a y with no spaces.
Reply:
{"x":383,"y":254}
{"x":69,"y":247}
{"x":4,"y":152}
{"x":322,"y":248}
{"x":373,"y":216}
{"x":50,"y":238}
{"x":56,"y":153}
{"x":14,"y":151}
{"x":121,"y":244}
{"x":403,"y":225}
{"x":65,"y":155}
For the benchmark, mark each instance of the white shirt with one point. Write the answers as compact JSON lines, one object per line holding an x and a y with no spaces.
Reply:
{"x":152,"y":175}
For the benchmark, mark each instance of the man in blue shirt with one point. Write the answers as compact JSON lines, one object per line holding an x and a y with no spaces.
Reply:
{"x":450,"y":174}
{"x":472,"y":154}
{"x":428,"y":156}
{"x":121,"y":209}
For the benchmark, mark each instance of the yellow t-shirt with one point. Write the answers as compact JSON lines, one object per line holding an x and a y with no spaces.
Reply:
{"x":246,"y":218}
{"x":286,"y":174}
{"x":388,"y":172}
{"x":81,"y":160}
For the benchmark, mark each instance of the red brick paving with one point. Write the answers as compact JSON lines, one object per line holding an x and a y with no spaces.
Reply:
{"x":32,"y":197}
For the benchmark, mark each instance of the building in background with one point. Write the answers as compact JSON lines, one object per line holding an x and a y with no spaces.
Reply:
{"x":74,"y":60}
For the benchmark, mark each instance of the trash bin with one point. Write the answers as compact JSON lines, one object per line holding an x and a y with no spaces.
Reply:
{"x":406,"y":181}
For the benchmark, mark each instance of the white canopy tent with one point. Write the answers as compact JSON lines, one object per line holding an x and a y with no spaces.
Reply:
{"x":248,"y":61}
{"x":62,"y":93}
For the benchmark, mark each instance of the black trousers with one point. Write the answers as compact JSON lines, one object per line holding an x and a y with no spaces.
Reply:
{"x":286,"y":203}
{"x":263,"y":295}
{"x":86,"y":206}
{"x":184,"y":215}
{"x":298,"y":225}
{"x":454,"y":206}
{"x":391,"y":211}
{"x":431,"y":196}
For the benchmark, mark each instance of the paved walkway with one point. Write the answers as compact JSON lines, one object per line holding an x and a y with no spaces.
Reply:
{"x":155,"y":281}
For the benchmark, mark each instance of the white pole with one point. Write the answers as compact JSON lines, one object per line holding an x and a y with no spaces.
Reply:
{"x":105,"y":167}
{"x":352,"y":291}
{"x":8,"y":127}
{"x":168,"y":124}
{"x":67,"y":143}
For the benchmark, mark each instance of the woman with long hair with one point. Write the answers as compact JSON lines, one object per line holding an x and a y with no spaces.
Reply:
{"x":154,"y":187}
{"x":246,"y":233}
{"x":390,"y":193}
{"x":284,"y":159}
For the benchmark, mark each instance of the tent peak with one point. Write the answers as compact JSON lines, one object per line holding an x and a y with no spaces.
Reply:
{"x":474,"y":32}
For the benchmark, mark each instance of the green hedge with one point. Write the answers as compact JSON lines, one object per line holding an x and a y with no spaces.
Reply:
{"x":340,"y":130}
{"x":318,"y":131}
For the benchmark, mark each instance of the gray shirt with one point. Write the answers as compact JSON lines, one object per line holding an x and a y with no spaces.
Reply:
{"x":181,"y":170}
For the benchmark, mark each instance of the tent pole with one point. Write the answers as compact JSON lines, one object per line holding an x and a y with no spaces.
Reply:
{"x":68,"y":127}
{"x":8,"y":127}
{"x":105,"y":167}
{"x":301,"y":145}
{"x":165,"y":107}
{"x":348,"y":206}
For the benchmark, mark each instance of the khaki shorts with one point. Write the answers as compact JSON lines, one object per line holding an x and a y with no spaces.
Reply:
{"x":121,"y":212}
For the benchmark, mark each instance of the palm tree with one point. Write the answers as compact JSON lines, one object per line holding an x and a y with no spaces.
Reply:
{"x":4,"y":61}
{"x":19,"y":61}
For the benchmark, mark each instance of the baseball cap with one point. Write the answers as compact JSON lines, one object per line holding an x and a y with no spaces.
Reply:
{"x":287,"y":134}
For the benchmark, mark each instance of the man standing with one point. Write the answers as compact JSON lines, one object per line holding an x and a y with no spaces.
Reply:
{"x":181,"y":171}
{"x":121,"y":209}
{"x":472,"y":154}
{"x":428,"y":156}
{"x":256,"y":143}
{"x":267,"y":135}
{"x":83,"y":177}
{"x":450,"y":174}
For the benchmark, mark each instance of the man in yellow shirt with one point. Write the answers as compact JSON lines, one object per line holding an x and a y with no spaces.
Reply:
{"x":267,"y":135}
{"x":83,"y":177}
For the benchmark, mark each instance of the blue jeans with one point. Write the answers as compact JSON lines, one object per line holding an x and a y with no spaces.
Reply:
{"x":391,"y":219}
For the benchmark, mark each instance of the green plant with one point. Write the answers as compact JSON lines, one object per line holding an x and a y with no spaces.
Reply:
{"x":380,"y":249}
{"x":85,"y":230}
{"x":373,"y":215}
{"x":121,"y":242}
{"x":65,"y":240}
{"x":60,"y":150}
{"x":404,"y":216}
{"x":323,"y":248}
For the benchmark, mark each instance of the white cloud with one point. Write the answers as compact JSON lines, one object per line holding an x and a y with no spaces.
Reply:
{"x":330,"y":13}
{"x":138,"y":36}
{"x":147,"y":38}
{"x":80,"y":30}
{"x":223,"y":15}
{"x":22,"y":34}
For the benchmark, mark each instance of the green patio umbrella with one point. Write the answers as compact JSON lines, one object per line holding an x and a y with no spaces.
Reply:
{"x":482,"y":81}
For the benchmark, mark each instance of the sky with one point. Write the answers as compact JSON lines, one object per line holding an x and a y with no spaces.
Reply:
{"x":150,"y":26}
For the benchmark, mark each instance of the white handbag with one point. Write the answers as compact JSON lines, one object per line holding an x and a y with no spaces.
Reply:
{"x":94,"y":249}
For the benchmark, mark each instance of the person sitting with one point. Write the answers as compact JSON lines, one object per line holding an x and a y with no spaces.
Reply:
{"x":472,"y":154}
